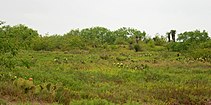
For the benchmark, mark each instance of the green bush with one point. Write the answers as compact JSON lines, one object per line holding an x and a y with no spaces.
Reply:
{"x":8,"y":47}
{"x":151,"y":43}
{"x":206,"y":44}
{"x":178,"y":46}
{"x":121,"y":41}
{"x":137,"y":47}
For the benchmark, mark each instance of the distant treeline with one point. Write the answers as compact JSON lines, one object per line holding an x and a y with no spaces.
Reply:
{"x":23,"y":37}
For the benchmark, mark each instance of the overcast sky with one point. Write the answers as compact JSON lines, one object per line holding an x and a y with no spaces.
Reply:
{"x":152,"y":16}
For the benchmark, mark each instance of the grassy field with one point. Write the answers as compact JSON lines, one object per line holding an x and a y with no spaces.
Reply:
{"x":106,"y":77}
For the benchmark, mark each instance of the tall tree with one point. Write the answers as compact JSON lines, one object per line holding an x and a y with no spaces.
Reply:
{"x":97,"y":35}
{"x":127,"y":33}
{"x":169,"y":36}
{"x":193,"y":36}
{"x":22,"y":35}
{"x":173,"y":33}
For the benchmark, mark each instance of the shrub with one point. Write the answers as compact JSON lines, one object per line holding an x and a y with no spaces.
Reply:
{"x":120,"y":41}
{"x":151,"y":43}
{"x":8,"y":47}
{"x":178,"y":46}
{"x":206,"y":44}
{"x":137,"y":47}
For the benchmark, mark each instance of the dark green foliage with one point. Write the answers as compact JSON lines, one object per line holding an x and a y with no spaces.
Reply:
{"x":169,"y":36}
{"x":7,"y":44}
{"x":84,"y":39}
{"x":69,"y":42}
{"x":193,"y":36}
{"x":94,"y":37}
{"x":190,"y":41}
{"x":178,"y":46}
{"x":8,"y":48}
{"x":123,"y":32}
{"x":7,"y":61}
{"x":206,"y":44}
{"x":159,"y":41}
{"x":97,"y":35}
{"x":137,"y":47}
{"x":128,"y":35}
{"x":173,"y":33}
{"x":120,"y":41}
{"x":151,"y":43}
{"x":48,"y":43}
{"x":20,"y":35}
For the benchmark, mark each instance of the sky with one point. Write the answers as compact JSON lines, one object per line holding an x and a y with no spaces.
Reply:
{"x":151,"y":16}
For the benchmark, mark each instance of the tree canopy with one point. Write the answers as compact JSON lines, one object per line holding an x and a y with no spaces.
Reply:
{"x":193,"y":36}
{"x":23,"y":37}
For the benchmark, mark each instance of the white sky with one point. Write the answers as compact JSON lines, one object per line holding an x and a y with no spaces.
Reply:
{"x":152,"y":16}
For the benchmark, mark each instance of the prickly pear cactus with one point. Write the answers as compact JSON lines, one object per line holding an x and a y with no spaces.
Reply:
{"x":19,"y":82}
{"x":25,"y":85}
{"x":37,"y":89}
{"x":45,"y":91}
{"x":46,"y":88}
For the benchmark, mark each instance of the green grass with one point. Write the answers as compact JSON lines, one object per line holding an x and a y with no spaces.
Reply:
{"x":112,"y":77}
